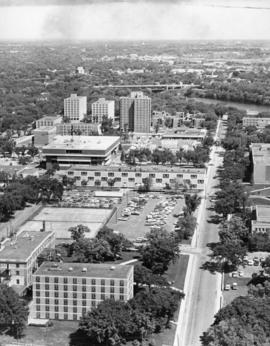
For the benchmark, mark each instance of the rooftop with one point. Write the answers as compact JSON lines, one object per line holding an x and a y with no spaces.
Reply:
{"x":260,"y":151}
{"x":263,"y":212}
{"x":83,"y":142}
{"x":84,"y":270}
{"x":20,"y":249}
{"x":144,"y":168}
{"x":50,"y":117}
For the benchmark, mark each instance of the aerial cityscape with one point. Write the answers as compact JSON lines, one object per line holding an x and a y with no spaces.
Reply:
{"x":134,"y":173}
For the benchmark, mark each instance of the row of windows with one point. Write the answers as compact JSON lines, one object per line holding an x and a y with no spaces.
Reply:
{"x":75,"y":281}
{"x":56,"y":315}
{"x":66,"y":288}
{"x":67,"y":302}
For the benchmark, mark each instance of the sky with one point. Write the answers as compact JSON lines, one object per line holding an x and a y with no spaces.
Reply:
{"x":134,"y":19}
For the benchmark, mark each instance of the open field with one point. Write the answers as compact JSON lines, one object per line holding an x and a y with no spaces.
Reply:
{"x":60,"y":220}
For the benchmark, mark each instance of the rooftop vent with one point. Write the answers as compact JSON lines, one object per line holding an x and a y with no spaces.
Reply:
{"x":84,"y":270}
{"x":70,"y":269}
{"x":112,"y":268}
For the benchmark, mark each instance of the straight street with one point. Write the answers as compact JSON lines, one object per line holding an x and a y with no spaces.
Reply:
{"x":202,"y":288}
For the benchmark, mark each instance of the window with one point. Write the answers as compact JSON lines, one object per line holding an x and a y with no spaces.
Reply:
{"x":47,"y":315}
{"x":65,"y":288}
{"x":74,"y":302}
{"x":165,"y":175}
{"x":47,"y":308}
{"x":74,"y":295}
{"x":93,"y":296}
{"x":83,"y":302}
{"x":121,"y":297}
{"x":56,"y":294}
{"x":47,"y":301}
{"x":179,"y":175}
{"x":93,"y":289}
{"x":83,"y":295}
{"x":93,"y":281}
{"x":37,"y":278}
{"x":138,"y":175}
{"x":200,"y":181}
{"x":102,"y":296}
{"x":83,"y":311}
{"x":47,"y":294}
{"x":38,"y":314}
{"x":84,"y":288}
{"x":152,"y":175}
{"x":37,"y":286}
{"x":65,"y":280}
{"x":17,"y":281}
{"x":102,"y":282}
{"x":102,"y":289}
{"x":47,"y":287}
{"x":97,"y":174}
{"x":110,"y":174}
{"x":84,"y":281}
{"x":193,"y":176}
{"x":17,"y":272}
{"x":74,"y":288}
{"x":121,"y":282}
{"x":121,"y":289}
{"x":104,"y":178}
{"x":75,"y":309}
{"x":47,"y":279}
{"x":56,"y":287}
{"x":65,"y":309}
{"x":112,"y":282}
{"x":65,"y":316}
{"x":158,"y":180}
{"x":38,"y":301}
{"x":83,"y":173}
{"x":56,"y":301}
{"x":111,"y":296}
{"x":93,"y":303}
{"x":56,"y":280}
{"x":56,"y":316}
{"x":38,"y":307}
{"x":38,"y":294}
{"x":65,"y":302}
{"x":70,"y":173}
{"x":112,"y":289}
{"x":124,"y":174}
{"x":56,"y":308}
{"x":75,"y":280}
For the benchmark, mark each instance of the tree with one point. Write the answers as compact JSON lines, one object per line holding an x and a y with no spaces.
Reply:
{"x":232,"y":251}
{"x":233,"y":230}
{"x":266,"y":265}
{"x":185,"y":227}
{"x":113,"y":322}
{"x":162,"y":249}
{"x":91,"y":250}
{"x":78,"y":232}
{"x":192,"y":202}
{"x":144,"y":276}
{"x":13,"y":311}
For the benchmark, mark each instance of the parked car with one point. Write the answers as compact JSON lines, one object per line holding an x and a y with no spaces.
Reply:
{"x":227,"y":287}
{"x":234,"y":286}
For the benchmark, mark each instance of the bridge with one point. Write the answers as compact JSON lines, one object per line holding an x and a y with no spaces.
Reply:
{"x":156,"y":87}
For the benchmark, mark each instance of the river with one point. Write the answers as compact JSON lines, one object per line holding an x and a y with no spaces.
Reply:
{"x":244,"y":106}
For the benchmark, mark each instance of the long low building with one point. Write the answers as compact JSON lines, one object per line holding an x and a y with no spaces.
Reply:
{"x":124,"y":176}
{"x":18,"y":257}
{"x":258,"y":122}
{"x":66,"y":291}
{"x":262,"y":222}
{"x":83,"y":150}
{"x":261,"y":163}
{"x":78,"y":128}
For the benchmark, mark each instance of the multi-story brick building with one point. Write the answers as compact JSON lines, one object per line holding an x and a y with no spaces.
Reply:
{"x":78,"y":128}
{"x":134,"y":177}
{"x":75,"y":107}
{"x":66,"y":291}
{"x":258,"y":122}
{"x":135,"y":112}
{"x":18,"y":257}
{"x":48,"y":120}
{"x":102,"y":108}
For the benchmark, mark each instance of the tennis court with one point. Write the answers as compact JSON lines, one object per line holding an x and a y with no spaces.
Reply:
{"x":60,"y":220}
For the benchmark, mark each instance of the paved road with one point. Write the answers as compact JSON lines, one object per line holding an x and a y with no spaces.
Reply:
{"x":202,"y":289}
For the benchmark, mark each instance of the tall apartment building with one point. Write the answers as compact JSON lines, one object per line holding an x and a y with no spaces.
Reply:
{"x":135,"y":112}
{"x":261,"y":163}
{"x":18,"y":257}
{"x":66,"y":291}
{"x":75,"y":107}
{"x":102,"y":108}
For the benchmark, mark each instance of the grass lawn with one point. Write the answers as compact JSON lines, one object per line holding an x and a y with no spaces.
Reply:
{"x":242,"y":288}
{"x":177,"y":272}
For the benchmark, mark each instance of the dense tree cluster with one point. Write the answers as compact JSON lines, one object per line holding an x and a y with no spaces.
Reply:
{"x":19,"y":192}
{"x":243,"y":322}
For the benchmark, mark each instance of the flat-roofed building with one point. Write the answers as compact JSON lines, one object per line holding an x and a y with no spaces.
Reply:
{"x":135,"y":112}
{"x":186,"y":134}
{"x":66,"y":291}
{"x":44,"y":135}
{"x":261,"y":163}
{"x":49,"y":120}
{"x":83,"y":150}
{"x":75,"y":107}
{"x":262,"y":222}
{"x":78,"y":128}
{"x":258,"y":122}
{"x":18,"y":257}
{"x":102,"y":108}
{"x":125,"y":176}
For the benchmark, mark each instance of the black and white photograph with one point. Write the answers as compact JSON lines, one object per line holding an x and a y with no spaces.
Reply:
{"x":134,"y":173}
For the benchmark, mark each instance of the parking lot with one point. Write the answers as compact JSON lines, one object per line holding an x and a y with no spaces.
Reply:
{"x":135,"y":226}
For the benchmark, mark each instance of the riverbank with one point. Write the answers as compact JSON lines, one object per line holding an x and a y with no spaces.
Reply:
{"x":243,"y":106}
